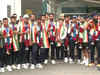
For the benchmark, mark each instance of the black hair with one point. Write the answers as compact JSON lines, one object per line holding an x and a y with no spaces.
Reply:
{"x":12,"y":17}
{"x":5,"y":19}
{"x":61,"y":19}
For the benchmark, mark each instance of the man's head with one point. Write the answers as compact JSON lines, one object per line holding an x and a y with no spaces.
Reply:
{"x":5,"y":21}
{"x":51,"y":16}
{"x":43,"y":17}
{"x":95,"y":16}
{"x":61,"y":21}
{"x":39,"y":20}
{"x":82,"y":19}
{"x":21,"y":18}
{"x":74,"y":19}
{"x":32,"y":17}
{"x":13,"y":19}
{"x":67,"y":18}
{"x":26,"y":18}
{"x":15,"y":15}
{"x":47,"y":16}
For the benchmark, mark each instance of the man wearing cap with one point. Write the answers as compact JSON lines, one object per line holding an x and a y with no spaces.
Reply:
{"x":73,"y":39}
{"x":24,"y":30}
{"x":66,"y":43}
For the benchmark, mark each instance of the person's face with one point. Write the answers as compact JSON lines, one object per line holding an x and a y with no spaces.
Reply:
{"x":26,"y":20}
{"x":74,"y":20}
{"x":99,"y":19}
{"x":87,"y":19}
{"x":60,"y":21}
{"x":21,"y":18}
{"x":67,"y":18}
{"x":51,"y":17}
{"x":32,"y":17}
{"x":13,"y":20}
{"x":95,"y":17}
{"x":79,"y":18}
{"x":43,"y":18}
{"x":47,"y":16}
{"x":5,"y":22}
{"x":39,"y":20}
{"x":82,"y":20}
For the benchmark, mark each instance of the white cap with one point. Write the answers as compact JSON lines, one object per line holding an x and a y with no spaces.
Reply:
{"x":61,"y":15}
{"x":25,"y":16}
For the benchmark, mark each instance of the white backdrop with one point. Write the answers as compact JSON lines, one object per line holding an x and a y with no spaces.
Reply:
{"x":15,"y":7}
{"x":3,"y":9}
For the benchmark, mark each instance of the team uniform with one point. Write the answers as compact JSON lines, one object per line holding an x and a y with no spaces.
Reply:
{"x":52,"y":35}
{"x":44,"y":43}
{"x":2,"y":51}
{"x":25,"y":43}
{"x":34,"y":45}
{"x":66,"y":41}
{"x":96,"y":37}
{"x":28,"y":43}
{"x":84,"y":38}
{"x":15,"y":46}
{"x":73,"y":40}
{"x":8,"y":33}
{"x":61,"y":35}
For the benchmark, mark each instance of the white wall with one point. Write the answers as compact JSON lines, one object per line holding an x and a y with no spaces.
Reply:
{"x":18,"y":7}
{"x":3,"y":9}
{"x":15,"y":7}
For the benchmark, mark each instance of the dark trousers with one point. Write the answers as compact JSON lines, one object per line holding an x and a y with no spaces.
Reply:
{"x":21,"y":53}
{"x":66,"y":52}
{"x":8,"y":59}
{"x":2,"y":57}
{"x":60,"y":52}
{"x":72,"y":49}
{"x":25,"y":54}
{"x":34,"y":54}
{"x":22,"y":48}
{"x":92,"y":52}
{"x":16,"y":57}
{"x":92,"y":48}
{"x":79,"y":52}
{"x":43,"y":54}
{"x":98,"y":49}
{"x":53,"y":51}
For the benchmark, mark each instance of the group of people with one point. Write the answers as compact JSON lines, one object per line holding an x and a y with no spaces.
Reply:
{"x":31,"y":41}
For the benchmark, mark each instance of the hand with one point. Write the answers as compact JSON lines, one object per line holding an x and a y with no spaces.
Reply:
{"x":30,"y":43}
{"x":8,"y":52}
